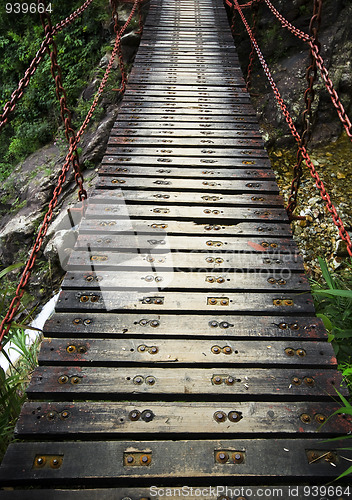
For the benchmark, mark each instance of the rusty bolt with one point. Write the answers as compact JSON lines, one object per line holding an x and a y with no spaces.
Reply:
{"x":288,"y":302}
{"x":229,"y":381}
{"x":94,"y":298}
{"x":294,"y":326}
{"x":235,"y":416}
{"x":220,"y":416}
{"x":90,"y":278}
{"x":154,"y":323}
{"x":265,"y":244}
{"x":40,"y":461}
{"x":320,"y":418}
{"x":51,"y":415}
{"x":283,"y":326}
{"x":82,"y":349}
{"x":64,"y":414}
{"x":71,"y":348}
{"x":77,"y":321}
{"x":309,"y":381}
{"x":212,"y":301}
{"x":84,"y":298}
{"x":289,"y":351}
{"x":220,"y":280}
{"x":145,"y":459}
{"x":272,"y":281}
{"x":153,"y":350}
{"x":219,"y":261}
{"x":209,"y":243}
{"x":277,"y":302}
{"x":55,"y":463}
{"x":273,"y":245}
{"x":301,"y":353}
{"x":141,"y":348}
{"x":238,"y":457}
{"x":224,"y":302}
{"x":130,"y":459}
{"x":215,"y":349}
{"x":134,"y":415}
{"x":150,"y":380}
{"x":222,"y":457}
{"x":210,"y":279}
{"x":296,"y":381}
{"x":306,"y":419}
{"x":88,"y":322}
{"x":209,"y":259}
{"x":217,"y":380}
{"x":282,"y":282}
{"x":75,"y":380}
{"x":63,"y":379}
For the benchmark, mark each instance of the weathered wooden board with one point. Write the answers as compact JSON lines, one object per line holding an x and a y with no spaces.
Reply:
{"x":226,"y":245}
{"x":217,"y":213}
{"x":185,"y":198}
{"x":160,"y":227}
{"x":271,"y":302}
{"x":178,"y":152}
{"x":81,"y":382}
{"x":114,"y":352}
{"x":224,"y":325}
{"x":201,"y":142}
{"x":79,"y":419}
{"x":189,"y":120}
{"x":110,"y":277}
{"x":187,"y":108}
{"x":166,"y":183}
{"x":102,"y":461}
{"x":169,"y":131}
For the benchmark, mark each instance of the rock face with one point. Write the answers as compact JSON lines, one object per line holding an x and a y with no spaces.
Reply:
{"x":288,"y":59}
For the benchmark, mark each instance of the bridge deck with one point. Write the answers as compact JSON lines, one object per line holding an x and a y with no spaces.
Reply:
{"x":184,"y":349}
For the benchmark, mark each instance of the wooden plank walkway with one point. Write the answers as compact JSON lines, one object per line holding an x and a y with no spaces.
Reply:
{"x":184,"y":350}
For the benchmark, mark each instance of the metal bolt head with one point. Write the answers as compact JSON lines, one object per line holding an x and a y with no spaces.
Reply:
{"x":212,"y":301}
{"x":220,"y":416}
{"x":55,"y":463}
{"x":154,"y":323}
{"x":238,"y":457}
{"x":235,"y":416}
{"x":150,"y":380}
{"x":306,"y":419}
{"x":77,"y":321}
{"x":229,"y":381}
{"x":63,"y":379}
{"x":294,"y":326}
{"x":145,"y":459}
{"x":138,"y":380}
{"x":40,"y":461}
{"x":213,"y":324}
{"x":217,"y":380}
{"x":147,"y":415}
{"x":75,"y":380}
{"x":84,"y":298}
{"x":134,"y":415}
{"x":283,"y":326}
{"x":154,"y":350}
{"x":289,"y":352}
{"x":222,"y":457}
{"x":130,"y":459}
{"x":301,"y":353}
{"x":224,"y":302}
{"x":215,"y":349}
{"x":296,"y":381}
{"x":320,"y":418}
{"x":81,"y":349}
{"x":51,"y":415}
{"x":227,"y":350}
{"x":65,"y":414}
{"x":142,"y":348}
{"x":309,"y":381}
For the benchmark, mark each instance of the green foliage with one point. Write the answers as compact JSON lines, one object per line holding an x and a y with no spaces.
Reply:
{"x":333,"y":302}
{"x":37,"y":116}
{"x":12,"y":384}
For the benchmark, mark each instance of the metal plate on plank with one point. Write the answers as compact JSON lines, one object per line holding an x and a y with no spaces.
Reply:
{"x":104,"y":462}
{"x":110,"y":277}
{"x":224,"y":325}
{"x":220,"y":351}
{"x":100,"y":419}
{"x":107,"y":301}
{"x":208,"y":185}
{"x":81,"y":382}
{"x":157,"y":227}
{"x":158,"y":171}
{"x":211,"y":213}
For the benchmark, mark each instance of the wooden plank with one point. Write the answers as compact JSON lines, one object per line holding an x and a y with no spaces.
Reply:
{"x":81,"y":382}
{"x":186,"y":198}
{"x":101,"y":462}
{"x":220,"y":351}
{"x":97,"y":419}
{"x":187,"y":108}
{"x":110,"y":277}
{"x":159,"y":227}
{"x":226,"y":248}
{"x":270,"y":302}
{"x":216,"y":144}
{"x":157,"y":171}
{"x":214,"y":121}
{"x":152,"y":129}
{"x":224,"y":325}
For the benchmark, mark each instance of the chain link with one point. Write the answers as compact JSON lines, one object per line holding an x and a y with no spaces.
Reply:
{"x":325,"y":196}
{"x":255,"y":7}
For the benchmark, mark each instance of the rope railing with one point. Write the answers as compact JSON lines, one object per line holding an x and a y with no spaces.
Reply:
{"x":69,"y":159}
{"x":320,"y":185}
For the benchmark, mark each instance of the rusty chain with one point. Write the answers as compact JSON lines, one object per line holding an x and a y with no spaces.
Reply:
{"x":62,"y":97}
{"x":311,"y":75}
{"x":24,"y":82}
{"x":325,"y":196}
{"x":255,"y":12}
{"x":16,"y":301}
